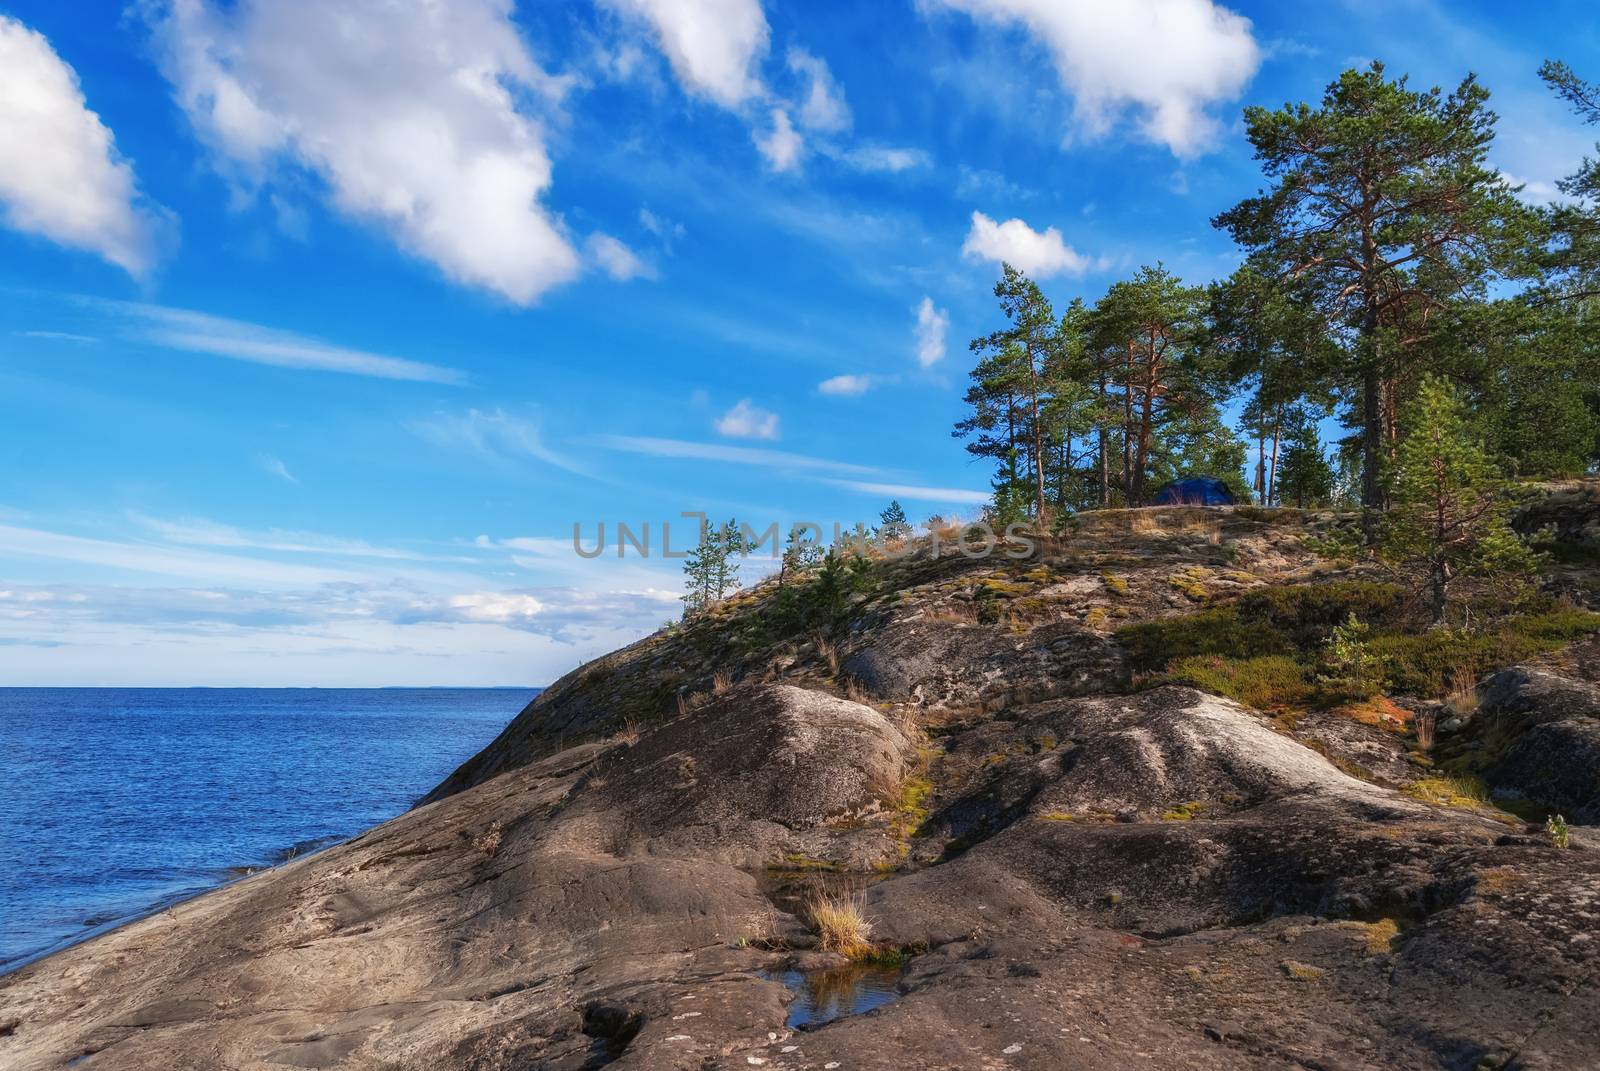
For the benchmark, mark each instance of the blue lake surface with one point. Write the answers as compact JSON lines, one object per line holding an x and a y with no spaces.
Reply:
{"x":114,"y":801}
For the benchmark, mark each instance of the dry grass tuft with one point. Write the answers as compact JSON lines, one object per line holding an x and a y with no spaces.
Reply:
{"x":828,"y":653}
{"x":488,"y":842}
{"x":841,"y":923}
{"x":683,"y":704}
{"x":1463,"y":694}
{"x":1425,"y":723}
{"x":721,"y":682}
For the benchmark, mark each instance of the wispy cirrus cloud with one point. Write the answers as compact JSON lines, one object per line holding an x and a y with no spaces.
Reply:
{"x":217,"y":336}
{"x":202,"y":532}
{"x":735,"y":455}
{"x":495,"y":434}
{"x":952,"y":495}
{"x":274,"y":466}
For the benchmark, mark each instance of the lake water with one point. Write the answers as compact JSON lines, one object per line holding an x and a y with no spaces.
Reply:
{"x":114,"y":801}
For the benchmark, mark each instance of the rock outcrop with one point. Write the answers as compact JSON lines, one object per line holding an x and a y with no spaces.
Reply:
{"x":1547,"y":729}
{"x":1070,"y":866}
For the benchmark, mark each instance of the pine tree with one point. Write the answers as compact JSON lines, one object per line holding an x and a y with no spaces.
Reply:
{"x":895,"y":527}
{"x":1383,"y":211}
{"x":1448,"y":510}
{"x":1305,"y":476}
{"x":799,"y":555}
{"x":1149,"y":336}
{"x":711,"y":570}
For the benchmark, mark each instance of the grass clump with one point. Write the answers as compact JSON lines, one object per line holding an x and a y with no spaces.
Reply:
{"x":1267,"y":682}
{"x":841,"y":923}
{"x":1463,"y":791}
{"x":1116,"y":585}
{"x":1184,"y":812}
{"x":1302,"y":972}
{"x":1555,"y":827}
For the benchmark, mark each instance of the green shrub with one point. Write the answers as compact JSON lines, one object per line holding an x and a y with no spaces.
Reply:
{"x":1283,"y":620}
{"x":1428,"y":663}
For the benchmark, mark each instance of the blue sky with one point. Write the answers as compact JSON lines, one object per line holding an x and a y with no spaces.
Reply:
{"x":322,"y":321}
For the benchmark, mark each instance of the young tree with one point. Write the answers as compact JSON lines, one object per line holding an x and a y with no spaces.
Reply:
{"x":711,"y":570}
{"x":1383,"y":208}
{"x":1448,"y":514}
{"x":799,"y":555}
{"x":1306,"y":476}
{"x":895,"y":527}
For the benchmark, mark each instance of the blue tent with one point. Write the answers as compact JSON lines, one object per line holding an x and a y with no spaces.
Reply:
{"x":1194,"y":491}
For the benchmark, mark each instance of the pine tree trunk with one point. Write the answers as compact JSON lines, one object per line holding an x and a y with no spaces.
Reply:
{"x":1272,"y":472}
{"x":1105,"y":457}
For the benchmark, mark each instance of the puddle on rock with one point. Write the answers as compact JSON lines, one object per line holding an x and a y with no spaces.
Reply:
{"x":821,"y":996}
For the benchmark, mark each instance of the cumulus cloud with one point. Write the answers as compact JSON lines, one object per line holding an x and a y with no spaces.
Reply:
{"x":846,"y":385}
{"x":60,"y":175}
{"x":1165,"y":60}
{"x":822,"y":107}
{"x":932,"y":325}
{"x":413,"y":115}
{"x":496,"y":607}
{"x":746,"y":421}
{"x":782,"y":145}
{"x":618,"y":261}
{"x":1014,"y":242}
{"x":714,"y":46}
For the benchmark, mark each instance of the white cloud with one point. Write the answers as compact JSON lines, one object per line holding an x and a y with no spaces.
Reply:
{"x":782,"y":145}
{"x":617,"y":260}
{"x":847,"y":385}
{"x":412,"y":114}
{"x":667,"y":231}
{"x":200,"y":532}
{"x":823,"y":107}
{"x":198,"y":332}
{"x":932,"y":325}
{"x":714,"y":46}
{"x":737,"y":455}
{"x":884,"y":158}
{"x":1014,"y":242}
{"x":60,"y":174}
{"x":1167,"y":60}
{"x":1533,"y":190}
{"x":496,"y":607}
{"x":273,"y":466}
{"x":58,"y":336}
{"x":952,"y":495}
{"x":746,"y":421}
{"x":497,"y":435}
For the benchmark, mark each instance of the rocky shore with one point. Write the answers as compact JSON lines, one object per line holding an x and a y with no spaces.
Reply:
{"x":1057,"y":850}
